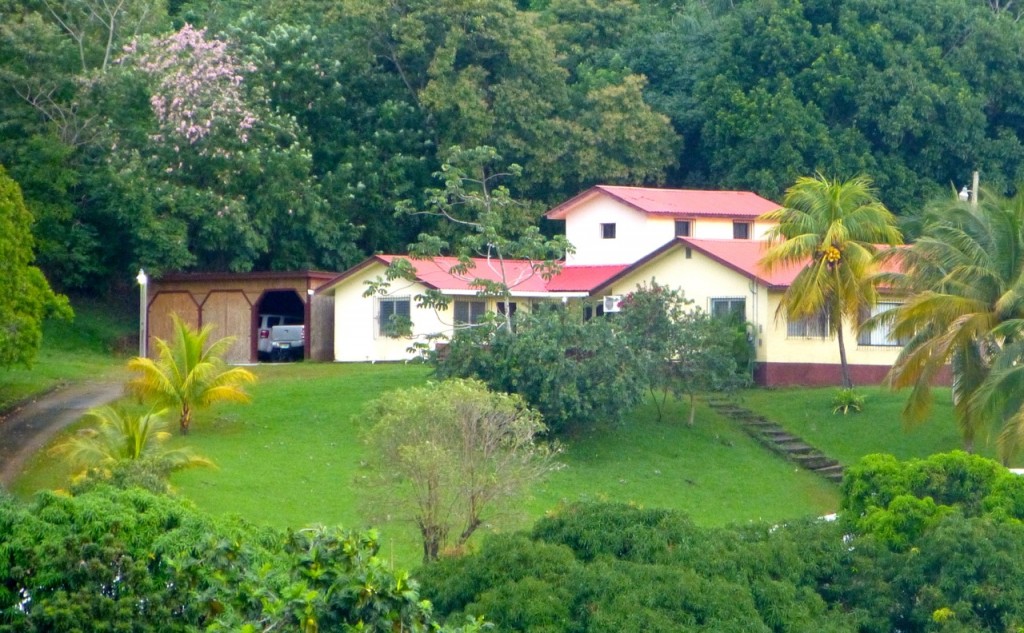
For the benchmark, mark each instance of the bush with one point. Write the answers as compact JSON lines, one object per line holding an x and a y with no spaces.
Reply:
{"x":576,"y":373}
{"x":133,"y":561}
{"x":847,"y":400}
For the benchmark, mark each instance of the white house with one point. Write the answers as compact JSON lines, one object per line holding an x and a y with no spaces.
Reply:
{"x":361,"y":322}
{"x":706,"y":243}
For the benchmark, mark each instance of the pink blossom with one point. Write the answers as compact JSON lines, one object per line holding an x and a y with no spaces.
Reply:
{"x":197,"y":85}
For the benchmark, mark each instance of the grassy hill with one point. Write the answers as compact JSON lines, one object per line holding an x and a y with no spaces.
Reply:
{"x":293,"y":457}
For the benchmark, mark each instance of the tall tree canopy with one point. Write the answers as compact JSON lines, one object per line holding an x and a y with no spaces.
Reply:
{"x":965,"y":280}
{"x":355,"y":103}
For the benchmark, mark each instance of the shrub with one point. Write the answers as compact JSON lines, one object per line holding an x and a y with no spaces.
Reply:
{"x":847,"y":400}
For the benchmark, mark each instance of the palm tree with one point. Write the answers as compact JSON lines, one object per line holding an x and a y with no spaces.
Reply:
{"x":832,"y":228}
{"x":188,"y":373}
{"x":966,"y":309}
{"x":119,"y":436}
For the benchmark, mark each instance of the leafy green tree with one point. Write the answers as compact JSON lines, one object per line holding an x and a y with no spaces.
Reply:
{"x":447,"y":455}
{"x":684,"y":349}
{"x":965,"y":306}
{"x":28,"y":298}
{"x":480,"y":220}
{"x":116,"y":435}
{"x":939,"y":553}
{"x":576,"y":373}
{"x":189,"y":373}
{"x":832,"y":229}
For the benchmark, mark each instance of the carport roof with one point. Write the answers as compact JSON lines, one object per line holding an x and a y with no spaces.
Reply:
{"x":269,"y":275}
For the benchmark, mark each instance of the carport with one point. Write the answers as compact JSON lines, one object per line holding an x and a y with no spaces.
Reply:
{"x":233,"y":304}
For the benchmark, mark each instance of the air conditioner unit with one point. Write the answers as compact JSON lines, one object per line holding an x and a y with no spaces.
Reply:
{"x":613,"y":303}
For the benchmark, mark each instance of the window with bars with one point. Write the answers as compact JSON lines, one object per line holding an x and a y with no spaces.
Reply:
{"x":394,"y":316}
{"x":729,"y":308}
{"x":815,"y":326}
{"x":683,"y":228}
{"x":741,"y":230}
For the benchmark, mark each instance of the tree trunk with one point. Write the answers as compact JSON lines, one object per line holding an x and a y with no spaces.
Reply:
{"x":186,"y":419}
{"x":693,"y":409}
{"x":847,"y":383}
{"x":432,"y":537}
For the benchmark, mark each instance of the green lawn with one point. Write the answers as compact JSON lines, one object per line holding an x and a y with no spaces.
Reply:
{"x":878,"y":429}
{"x":292,"y":457}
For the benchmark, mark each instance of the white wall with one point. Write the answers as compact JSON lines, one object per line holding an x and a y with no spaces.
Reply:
{"x":356,"y":330}
{"x":634,"y":235}
{"x":637,"y":233}
{"x":356,"y":336}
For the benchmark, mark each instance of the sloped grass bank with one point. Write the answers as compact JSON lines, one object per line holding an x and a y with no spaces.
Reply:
{"x":93,"y":345}
{"x":878,"y":428}
{"x":293,"y":457}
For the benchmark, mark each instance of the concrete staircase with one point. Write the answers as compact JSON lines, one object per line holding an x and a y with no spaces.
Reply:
{"x":777,"y":439}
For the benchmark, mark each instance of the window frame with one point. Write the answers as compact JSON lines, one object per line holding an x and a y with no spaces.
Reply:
{"x":689,"y":228}
{"x":730,"y":310}
{"x":608,"y":231}
{"x":475,"y":309}
{"x":747,"y":229}
{"x":881,"y":335}
{"x":395,"y":302}
{"x":803,"y":328}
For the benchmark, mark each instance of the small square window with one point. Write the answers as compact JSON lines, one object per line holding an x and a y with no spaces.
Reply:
{"x":741,"y":230}
{"x":608,"y":231}
{"x":683,"y":228}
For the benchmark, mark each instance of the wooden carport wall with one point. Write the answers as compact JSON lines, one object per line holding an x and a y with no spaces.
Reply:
{"x":229,"y":300}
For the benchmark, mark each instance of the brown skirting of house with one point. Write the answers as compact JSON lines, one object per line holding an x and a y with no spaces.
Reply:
{"x":825,"y":374}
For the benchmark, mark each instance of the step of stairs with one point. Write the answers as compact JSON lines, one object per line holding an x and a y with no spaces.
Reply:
{"x":781,"y":441}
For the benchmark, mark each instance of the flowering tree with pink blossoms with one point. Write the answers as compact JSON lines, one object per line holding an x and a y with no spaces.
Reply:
{"x":196,"y":86}
{"x":206,"y":174}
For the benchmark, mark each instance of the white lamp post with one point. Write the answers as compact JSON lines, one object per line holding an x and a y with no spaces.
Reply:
{"x":143,"y":300}
{"x":971,"y":194}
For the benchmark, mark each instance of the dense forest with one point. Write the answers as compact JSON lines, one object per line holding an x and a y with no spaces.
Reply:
{"x":241,"y":135}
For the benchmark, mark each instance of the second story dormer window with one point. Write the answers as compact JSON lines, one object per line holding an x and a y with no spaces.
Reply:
{"x":608,"y":231}
{"x":741,"y":230}
{"x":683,"y":228}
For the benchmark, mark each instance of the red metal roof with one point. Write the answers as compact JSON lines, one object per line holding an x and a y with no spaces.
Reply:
{"x":582,"y":278}
{"x":739,"y":255}
{"x":743,"y":256}
{"x":684,"y":203}
{"x":519,"y":274}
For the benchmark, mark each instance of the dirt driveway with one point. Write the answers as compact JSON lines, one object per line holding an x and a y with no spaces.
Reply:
{"x":29,"y":426}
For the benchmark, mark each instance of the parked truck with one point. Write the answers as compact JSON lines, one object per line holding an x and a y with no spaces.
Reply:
{"x":287,"y":342}
{"x":280,"y":338}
